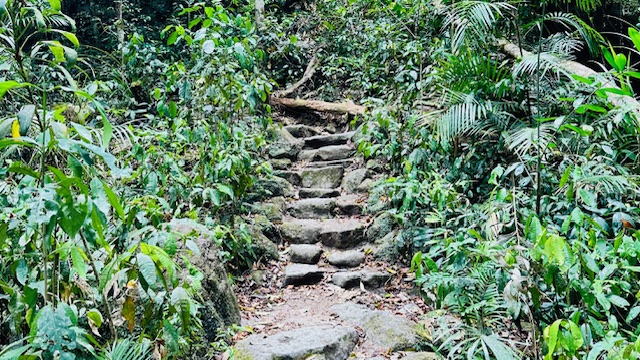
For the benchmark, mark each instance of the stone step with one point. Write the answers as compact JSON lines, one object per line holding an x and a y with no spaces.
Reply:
{"x":345,"y":163}
{"x":327,"y":341}
{"x":318,"y":141}
{"x":305,"y":253}
{"x":306,"y":193}
{"x":324,"y":208}
{"x":302,"y":131}
{"x":346,"y":259}
{"x":293,"y":177}
{"x":327,"y":153}
{"x":302,"y":274}
{"x":337,"y":233}
{"x":371,"y":279}
{"x":327,"y":178}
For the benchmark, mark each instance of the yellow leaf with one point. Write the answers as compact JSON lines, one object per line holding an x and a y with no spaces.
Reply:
{"x":15,"y":129}
{"x":129,"y":312}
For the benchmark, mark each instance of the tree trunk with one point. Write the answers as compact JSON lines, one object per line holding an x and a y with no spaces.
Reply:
{"x":346,"y":107}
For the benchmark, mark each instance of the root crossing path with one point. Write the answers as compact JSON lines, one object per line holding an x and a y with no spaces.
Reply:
{"x":329,"y":296}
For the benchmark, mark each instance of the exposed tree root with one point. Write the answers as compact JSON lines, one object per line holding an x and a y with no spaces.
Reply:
{"x":346,"y":107}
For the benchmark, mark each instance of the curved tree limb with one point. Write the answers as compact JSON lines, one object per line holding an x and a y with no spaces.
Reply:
{"x":308,"y":73}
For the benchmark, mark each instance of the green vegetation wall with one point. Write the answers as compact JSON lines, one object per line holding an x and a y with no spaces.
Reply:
{"x":98,"y":20}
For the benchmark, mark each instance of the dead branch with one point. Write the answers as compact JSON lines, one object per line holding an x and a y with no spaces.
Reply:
{"x":308,"y":73}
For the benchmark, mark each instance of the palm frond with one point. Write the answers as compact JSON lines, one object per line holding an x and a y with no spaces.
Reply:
{"x":127,"y":349}
{"x":473,"y":19}
{"x":549,"y":62}
{"x":525,"y":140}
{"x":591,"y":36}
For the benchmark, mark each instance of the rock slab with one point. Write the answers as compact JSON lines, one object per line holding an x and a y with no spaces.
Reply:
{"x":302,"y":274}
{"x":382,"y":328}
{"x":328,"y":342}
{"x":305,"y":253}
{"x":349,"y":258}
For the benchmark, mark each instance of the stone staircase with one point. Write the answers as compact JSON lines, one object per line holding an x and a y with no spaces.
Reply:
{"x":322,"y":222}
{"x":325,"y":217}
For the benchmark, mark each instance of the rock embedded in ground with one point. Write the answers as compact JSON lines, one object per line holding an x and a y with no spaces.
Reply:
{"x":327,"y":178}
{"x":345,"y":163}
{"x":326,"y":341}
{"x":353,"y":179}
{"x":293,"y":177}
{"x":350,"y":258}
{"x":281,"y":164}
{"x":314,"y":208}
{"x":319,"y":141}
{"x":382,"y":328}
{"x":365,"y":186}
{"x":302,"y":274}
{"x":374,"y":279}
{"x":381,"y":226}
{"x":422,"y":355}
{"x":306,"y":193}
{"x":305,"y":253}
{"x":285,"y":146}
{"x":302,"y":131}
{"x":349,"y":205}
{"x":347,"y":279}
{"x":337,"y":233}
{"x":274,"y":186}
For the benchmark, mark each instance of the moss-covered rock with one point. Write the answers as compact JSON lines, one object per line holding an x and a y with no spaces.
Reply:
{"x":219,"y":304}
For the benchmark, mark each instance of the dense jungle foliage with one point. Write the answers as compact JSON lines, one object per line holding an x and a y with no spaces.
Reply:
{"x":512,"y":178}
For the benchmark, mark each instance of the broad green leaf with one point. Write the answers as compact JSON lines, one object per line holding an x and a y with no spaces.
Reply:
{"x":22,"y":272}
{"x":114,"y":201}
{"x":633,"y":313}
{"x":576,"y":336}
{"x":95,"y":316}
{"x":551,"y":335}
{"x":10,"y":84}
{"x":618,"y":301}
{"x":55,"y":4}
{"x":147,"y":268}
{"x":78,"y":263}
{"x":588,"y":198}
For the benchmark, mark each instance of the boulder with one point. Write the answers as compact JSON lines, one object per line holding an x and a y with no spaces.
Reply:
{"x":336,"y":233}
{"x":350,"y":258}
{"x":272,"y":186}
{"x":388,"y":248}
{"x":327,"y":178}
{"x":285,"y":145}
{"x":326,"y":342}
{"x":365,"y":186}
{"x":381,"y":226}
{"x":302,"y":274}
{"x":305,"y":253}
{"x":353,"y":179}
{"x":382,"y":328}
{"x":219,"y":304}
